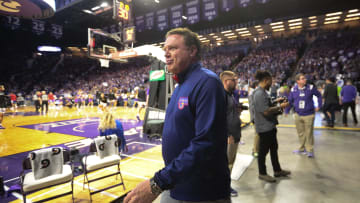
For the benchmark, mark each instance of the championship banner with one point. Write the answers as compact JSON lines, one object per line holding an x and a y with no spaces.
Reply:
{"x":193,"y":11}
{"x":244,"y":3}
{"x":149,"y":20}
{"x":162,"y":19}
{"x":129,"y":34}
{"x":176,"y":16}
{"x":140,"y":23}
{"x":210,"y":9}
{"x":227,"y":5}
{"x":38,"y":27}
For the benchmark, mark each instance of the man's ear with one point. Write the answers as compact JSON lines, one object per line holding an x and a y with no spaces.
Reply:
{"x":193,"y":50}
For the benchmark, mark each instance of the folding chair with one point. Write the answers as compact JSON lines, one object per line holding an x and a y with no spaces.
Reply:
{"x":95,"y":161}
{"x":30,"y":184}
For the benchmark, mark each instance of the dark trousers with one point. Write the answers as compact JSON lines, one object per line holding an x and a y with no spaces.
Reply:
{"x":352,"y":107}
{"x":331,"y":108}
{"x":268,"y":142}
{"x":37,"y":105}
{"x":46,"y":104}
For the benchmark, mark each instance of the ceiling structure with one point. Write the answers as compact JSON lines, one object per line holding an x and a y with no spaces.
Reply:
{"x":76,"y":20}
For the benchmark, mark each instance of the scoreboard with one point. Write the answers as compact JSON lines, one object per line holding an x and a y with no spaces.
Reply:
{"x":122,"y":10}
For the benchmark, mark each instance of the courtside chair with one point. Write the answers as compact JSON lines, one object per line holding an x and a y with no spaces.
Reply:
{"x":46,"y":168}
{"x":104,"y":153}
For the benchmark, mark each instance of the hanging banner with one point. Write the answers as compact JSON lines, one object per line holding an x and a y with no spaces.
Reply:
{"x":140,"y":23}
{"x":227,"y":5}
{"x":12,"y":22}
{"x":162,"y":19}
{"x":149,"y":20}
{"x":129,"y":34}
{"x":38,"y":27}
{"x":244,"y":3}
{"x":210,"y":9}
{"x":193,"y":11}
{"x":56,"y":31}
{"x":176,"y":16}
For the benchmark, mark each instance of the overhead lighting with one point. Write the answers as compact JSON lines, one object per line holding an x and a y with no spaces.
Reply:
{"x":350,"y":19}
{"x":279,"y":26}
{"x":294,"y":24}
{"x":244,"y":28}
{"x":49,"y":49}
{"x":87,"y":11}
{"x":244,"y":35}
{"x":202,"y":38}
{"x":184,"y":17}
{"x":295,"y":20}
{"x":157,"y":1}
{"x":95,"y":8}
{"x":277,"y":23}
{"x":312,"y":17}
{"x":227,"y":31}
{"x":205,"y":41}
{"x":211,"y":34}
{"x":313,"y":21}
{"x":332,"y":18}
{"x":104,"y":4}
{"x":199,"y":36}
{"x":353,"y":11}
{"x":229,"y":34}
{"x":296,"y":27}
{"x":353,"y":15}
{"x":258,"y":26}
{"x":278,"y":30}
{"x":334,"y":14}
{"x":243,"y":32}
{"x":231,"y":37}
{"x":331,"y":22}
{"x":218,"y":39}
{"x":219,"y":43}
{"x":261,"y":32}
{"x":312,"y":25}
{"x":215,"y":36}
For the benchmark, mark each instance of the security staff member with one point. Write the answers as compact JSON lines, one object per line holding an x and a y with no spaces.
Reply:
{"x":301,"y":98}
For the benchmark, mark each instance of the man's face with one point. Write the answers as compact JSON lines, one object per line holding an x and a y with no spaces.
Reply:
{"x":178,"y":55}
{"x":268,"y":83}
{"x":302,"y":81}
{"x":230,"y":84}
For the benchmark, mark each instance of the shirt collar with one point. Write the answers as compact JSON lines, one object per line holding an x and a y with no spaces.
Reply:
{"x":181,"y":77}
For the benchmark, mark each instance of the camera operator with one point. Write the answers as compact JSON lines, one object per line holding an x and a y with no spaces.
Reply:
{"x":265,"y":115}
{"x":301,"y":98}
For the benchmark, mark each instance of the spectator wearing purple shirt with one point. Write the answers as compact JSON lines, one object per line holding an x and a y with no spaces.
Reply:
{"x":301,"y":98}
{"x":348,"y":98}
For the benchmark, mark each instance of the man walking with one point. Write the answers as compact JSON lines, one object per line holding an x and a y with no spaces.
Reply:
{"x":348,"y":99}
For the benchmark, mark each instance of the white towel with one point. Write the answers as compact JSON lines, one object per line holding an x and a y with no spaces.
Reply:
{"x":107,"y":145}
{"x":46,"y":162}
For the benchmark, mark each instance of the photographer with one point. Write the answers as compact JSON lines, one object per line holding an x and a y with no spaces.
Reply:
{"x":265,"y":115}
{"x":301,"y":98}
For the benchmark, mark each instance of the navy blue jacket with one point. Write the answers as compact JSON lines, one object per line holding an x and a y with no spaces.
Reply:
{"x":119,"y":131}
{"x":194,"y":139}
{"x":306,"y":94}
{"x":348,"y":93}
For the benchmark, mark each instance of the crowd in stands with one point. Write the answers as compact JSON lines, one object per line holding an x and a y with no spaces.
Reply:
{"x":331,"y":53}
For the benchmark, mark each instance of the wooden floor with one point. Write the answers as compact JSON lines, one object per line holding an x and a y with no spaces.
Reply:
{"x":25,"y":131}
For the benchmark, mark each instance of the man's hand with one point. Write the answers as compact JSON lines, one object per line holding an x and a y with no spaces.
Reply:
{"x":140,"y":194}
{"x":279,"y":99}
{"x":284,"y":105}
{"x":231,"y":140}
{"x":317,"y":109}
